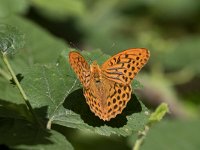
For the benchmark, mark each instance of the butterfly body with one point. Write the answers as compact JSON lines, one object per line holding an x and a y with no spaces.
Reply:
{"x":99,"y":89}
{"x":107,"y":88}
{"x":95,"y":72}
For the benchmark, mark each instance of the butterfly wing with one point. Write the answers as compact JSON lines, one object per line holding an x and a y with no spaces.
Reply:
{"x":124,"y":66}
{"x":111,"y":103}
{"x":80,"y":67}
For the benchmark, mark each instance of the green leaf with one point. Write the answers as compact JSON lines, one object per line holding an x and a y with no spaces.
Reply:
{"x":35,"y":51}
{"x":57,"y":88}
{"x":184,"y":59}
{"x":174,"y":10}
{"x":159,"y":113}
{"x":13,"y":110}
{"x":60,"y":9}
{"x":173,"y":135}
{"x":8,"y":7}
{"x":40,"y":46}
{"x":11,"y":39}
{"x":9,"y":92}
{"x":136,"y":84}
{"x":20,"y":134}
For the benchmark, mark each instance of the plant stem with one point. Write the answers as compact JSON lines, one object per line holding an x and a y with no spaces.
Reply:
{"x":155,"y":117}
{"x":29,"y":107}
{"x":141,"y":137}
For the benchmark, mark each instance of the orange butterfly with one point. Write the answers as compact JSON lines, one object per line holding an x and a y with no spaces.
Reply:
{"x":107,"y":89}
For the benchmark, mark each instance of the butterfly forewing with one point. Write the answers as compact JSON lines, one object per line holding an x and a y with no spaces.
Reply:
{"x":80,"y":67}
{"x":124,"y":66}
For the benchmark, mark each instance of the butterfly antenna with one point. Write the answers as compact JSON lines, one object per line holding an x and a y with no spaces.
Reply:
{"x":88,"y":59}
{"x":71,"y":44}
{"x":113,"y":45}
{"x":100,"y":56}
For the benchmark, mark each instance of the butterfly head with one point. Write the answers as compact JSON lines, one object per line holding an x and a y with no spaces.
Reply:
{"x":96,"y":71}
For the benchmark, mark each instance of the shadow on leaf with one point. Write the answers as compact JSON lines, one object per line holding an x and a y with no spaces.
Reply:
{"x":20,"y":111}
{"x":76,"y":102}
{"x":16,"y":128}
{"x":19,"y":77}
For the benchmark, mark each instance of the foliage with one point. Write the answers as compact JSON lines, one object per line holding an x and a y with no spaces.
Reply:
{"x":159,"y":113}
{"x":165,"y":132}
{"x":50,"y":102}
{"x":33,"y":37}
{"x":20,"y":134}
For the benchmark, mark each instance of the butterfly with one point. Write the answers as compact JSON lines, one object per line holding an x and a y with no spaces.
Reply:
{"x":107,"y":88}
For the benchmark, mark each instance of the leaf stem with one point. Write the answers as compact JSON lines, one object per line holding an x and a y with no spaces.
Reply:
{"x":141,"y":137}
{"x":155,"y":117}
{"x":22,"y":92}
{"x":14,"y":77}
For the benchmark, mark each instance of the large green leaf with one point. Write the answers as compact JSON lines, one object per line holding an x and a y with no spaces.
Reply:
{"x":178,"y":10}
{"x":40,"y":47}
{"x":173,"y":135}
{"x":184,"y":55}
{"x":56,"y":88}
{"x":10,"y":39}
{"x":8,"y":7}
{"x":12,"y":110}
{"x":60,"y":9}
{"x":20,"y":134}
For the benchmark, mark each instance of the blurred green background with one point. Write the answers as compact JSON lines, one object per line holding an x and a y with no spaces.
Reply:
{"x":169,"y":29}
